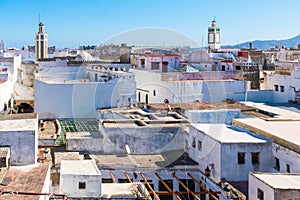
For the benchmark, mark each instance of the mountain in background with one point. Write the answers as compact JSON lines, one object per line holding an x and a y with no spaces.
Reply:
{"x":267,"y":44}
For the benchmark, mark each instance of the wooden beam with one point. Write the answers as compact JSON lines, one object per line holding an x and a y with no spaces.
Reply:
{"x":168,"y":188}
{"x":211,"y":194}
{"x":183,"y":185}
{"x":149,"y":186}
{"x":129,"y":179}
{"x":112,"y":177}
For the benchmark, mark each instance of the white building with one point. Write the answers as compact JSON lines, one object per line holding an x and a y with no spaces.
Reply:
{"x":273,"y":186}
{"x":20,"y":133}
{"x":160,"y":63}
{"x":9,"y":66}
{"x":41,"y":43}
{"x":181,"y":87}
{"x":142,"y":132}
{"x":80,"y":179}
{"x":280,"y":126}
{"x":229,"y":153}
{"x":78,"y":91}
{"x":284,"y":81}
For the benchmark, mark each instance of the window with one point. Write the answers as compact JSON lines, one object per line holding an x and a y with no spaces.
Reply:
{"x":154,"y":93}
{"x":276,"y":88}
{"x":81,"y":185}
{"x":241,"y":157}
{"x":277,"y":164}
{"x":96,"y":77}
{"x":199,"y":145}
{"x":223,"y":67}
{"x":281,"y":88}
{"x":107,"y":180}
{"x":255,"y":157}
{"x":260,"y":194}
{"x":146,"y":99}
{"x":142,"y":63}
{"x":288,"y":170}
{"x":139,"y":97}
{"x":238,"y":67}
{"x":194,"y":142}
{"x":186,"y":144}
{"x":154,"y":65}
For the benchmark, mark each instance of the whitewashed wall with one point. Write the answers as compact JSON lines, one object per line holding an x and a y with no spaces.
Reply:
{"x":185,"y":91}
{"x":81,"y":100}
{"x":255,"y":183}
{"x":212,"y":116}
{"x":222,"y":158}
{"x":286,"y":81}
{"x":233,"y":171}
{"x":69,"y":185}
{"x":23,"y":146}
{"x":6,"y":91}
{"x":285,"y":156}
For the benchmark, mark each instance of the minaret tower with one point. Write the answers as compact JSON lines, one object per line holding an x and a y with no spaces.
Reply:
{"x":213,"y":37}
{"x":41,"y":43}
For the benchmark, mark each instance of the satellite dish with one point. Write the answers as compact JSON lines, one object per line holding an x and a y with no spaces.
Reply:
{"x":127,"y":149}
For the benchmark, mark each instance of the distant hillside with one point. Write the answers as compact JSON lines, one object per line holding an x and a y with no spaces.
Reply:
{"x":267,"y":44}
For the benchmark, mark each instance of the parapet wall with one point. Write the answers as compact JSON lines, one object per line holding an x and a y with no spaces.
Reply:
{"x":209,"y":75}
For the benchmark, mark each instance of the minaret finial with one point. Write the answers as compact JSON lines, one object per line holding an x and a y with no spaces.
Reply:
{"x":39,"y":17}
{"x":214,"y":18}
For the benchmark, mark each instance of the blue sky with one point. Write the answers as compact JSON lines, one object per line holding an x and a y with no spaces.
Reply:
{"x":71,"y":23}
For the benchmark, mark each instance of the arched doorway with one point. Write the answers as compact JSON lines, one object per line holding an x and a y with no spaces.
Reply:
{"x":25,"y":108}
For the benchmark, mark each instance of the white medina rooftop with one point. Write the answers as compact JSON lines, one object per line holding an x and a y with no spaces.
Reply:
{"x":79,"y":167}
{"x":229,"y":134}
{"x":18,"y":122}
{"x":279,"y":181}
{"x":276,"y":113}
{"x":285,"y":133}
{"x":136,"y":117}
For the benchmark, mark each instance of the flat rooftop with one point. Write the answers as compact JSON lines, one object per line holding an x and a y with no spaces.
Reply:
{"x":79,"y":167}
{"x":138,"y":118}
{"x":61,"y":156}
{"x":228,"y":134}
{"x":284,"y":133}
{"x":145,"y":161}
{"x":125,"y":161}
{"x":30,"y":178}
{"x":275,"y":113}
{"x":18,"y":122}
{"x":221,"y":105}
{"x":48,"y":129}
{"x":280,"y":181}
